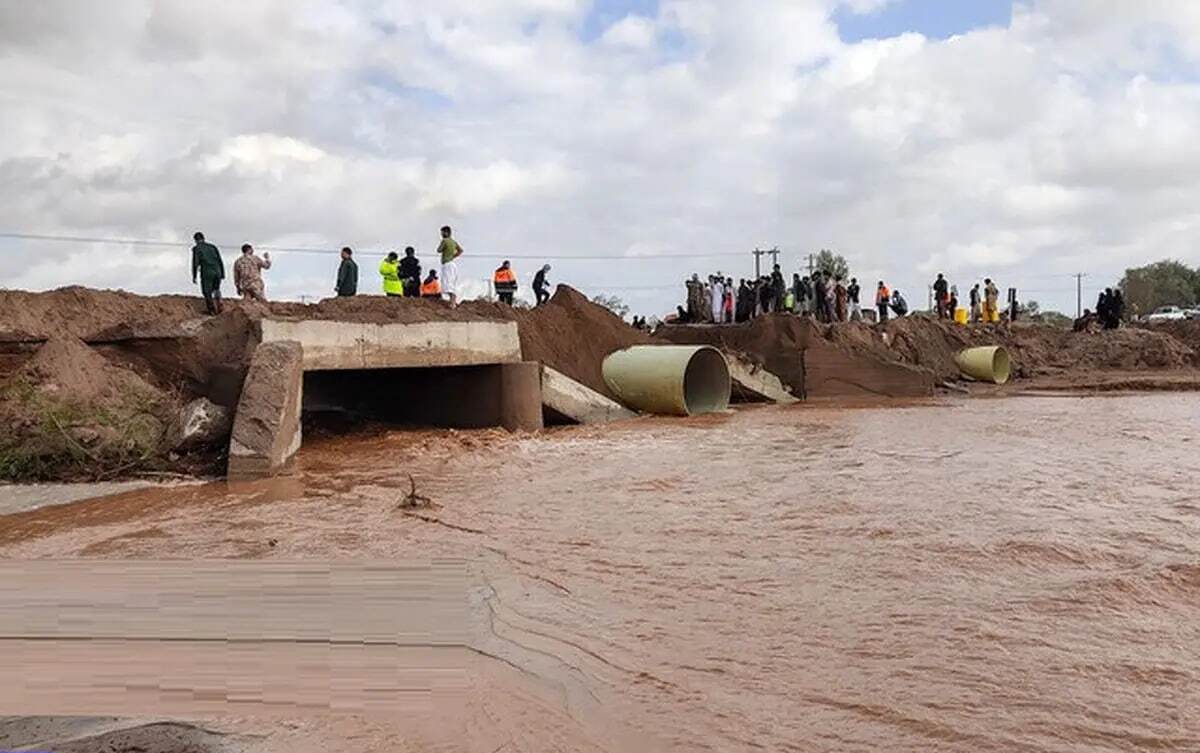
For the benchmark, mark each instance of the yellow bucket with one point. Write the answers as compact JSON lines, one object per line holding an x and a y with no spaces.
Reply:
{"x":960,"y":315}
{"x":989,"y":364}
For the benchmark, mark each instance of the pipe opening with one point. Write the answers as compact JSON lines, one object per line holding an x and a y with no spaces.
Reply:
{"x":706,"y":382}
{"x":1001,"y":366}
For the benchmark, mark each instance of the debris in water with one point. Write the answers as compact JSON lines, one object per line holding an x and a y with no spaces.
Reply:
{"x":412,"y":500}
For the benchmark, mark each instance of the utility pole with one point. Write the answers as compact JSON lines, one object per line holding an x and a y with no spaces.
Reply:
{"x":1079,"y":294}
{"x":774,"y":256}
{"x":758,"y":255}
{"x":812,"y":264}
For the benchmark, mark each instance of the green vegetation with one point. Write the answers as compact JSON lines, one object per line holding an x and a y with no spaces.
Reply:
{"x":46,"y":437}
{"x":1163,"y":283}
{"x":613,"y":304}
{"x":834,"y":264}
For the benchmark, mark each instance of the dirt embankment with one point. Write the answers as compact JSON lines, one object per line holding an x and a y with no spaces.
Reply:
{"x":815,"y":360}
{"x":889,"y":359}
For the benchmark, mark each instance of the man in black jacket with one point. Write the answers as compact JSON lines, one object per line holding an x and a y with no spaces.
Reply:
{"x":347,"y":276}
{"x":410,"y":273}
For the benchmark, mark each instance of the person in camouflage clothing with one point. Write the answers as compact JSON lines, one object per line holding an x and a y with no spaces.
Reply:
{"x":247,"y":274}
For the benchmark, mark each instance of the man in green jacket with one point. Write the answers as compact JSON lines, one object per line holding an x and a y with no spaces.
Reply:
{"x":207,"y":264}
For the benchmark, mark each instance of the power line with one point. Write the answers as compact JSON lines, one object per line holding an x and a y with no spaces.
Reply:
{"x":333,"y":251}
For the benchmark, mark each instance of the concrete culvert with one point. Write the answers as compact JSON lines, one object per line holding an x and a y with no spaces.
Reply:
{"x":677,"y":380}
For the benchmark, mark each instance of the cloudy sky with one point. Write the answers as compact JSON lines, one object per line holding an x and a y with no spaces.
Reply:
{"x":627,"y":142}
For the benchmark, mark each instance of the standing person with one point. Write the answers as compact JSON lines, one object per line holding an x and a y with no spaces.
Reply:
{"x":830,"y":297}
{"x":840,"y":299}
{"x":819,"y":297}
{"x":777,"y":288}
{"x":854,"y":293}
{"x":975,"y":306}
{"x":431,"y":288}
{"x":882,"y":299}
{"x":505,"y":280}
{"x":718,"y":298}
{"x":540,"y":284}
{"x":347,"y":276}
{"x":449,"y":251}
{"x":207,"y":264}
{"x":728,"y":301}
{"x":247,"y":274}
{"x":695,"y":297}
{"x":745,"y":301}
{"x":952,"y":306}
{"x":941,"y":295}
{"x":805,"y":299}
{"x":1117,"y":301}
{"x":410,"y":273}
{"x":1104,"y":308}
{"x":389,"y":270}
{"x":991,"y":301}
{"x":766,"y":296}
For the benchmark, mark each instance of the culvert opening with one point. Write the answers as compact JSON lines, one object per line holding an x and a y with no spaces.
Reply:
{"x":453,"y":397}
{"x":706,"y":384}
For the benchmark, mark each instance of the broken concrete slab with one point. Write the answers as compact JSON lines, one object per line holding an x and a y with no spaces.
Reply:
{"x":753,"y":383}
{"x":266,"y":427}
{"x":332,"y":345}
{"x":575,"y":402}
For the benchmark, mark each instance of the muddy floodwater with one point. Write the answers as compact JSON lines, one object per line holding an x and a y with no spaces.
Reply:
{"x":1017,"y":574}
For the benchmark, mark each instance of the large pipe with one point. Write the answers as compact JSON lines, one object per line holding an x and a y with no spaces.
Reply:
{"x":989,"y":364}
{"x":675,"y":380}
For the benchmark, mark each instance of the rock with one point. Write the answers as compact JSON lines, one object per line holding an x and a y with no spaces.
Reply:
{"x":203,"y":423}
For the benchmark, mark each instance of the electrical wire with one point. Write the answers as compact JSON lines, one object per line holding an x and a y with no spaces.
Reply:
{"x":334,"y":252}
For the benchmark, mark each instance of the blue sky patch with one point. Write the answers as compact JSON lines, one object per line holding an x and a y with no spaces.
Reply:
{"x":605,"y":13}
{"x":936,"y":19}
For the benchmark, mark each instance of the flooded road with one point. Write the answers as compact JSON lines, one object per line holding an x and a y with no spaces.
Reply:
{"x":1015,"y":574}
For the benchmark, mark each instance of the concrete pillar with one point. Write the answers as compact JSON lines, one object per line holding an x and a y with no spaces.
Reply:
{"x":266,"y":428}
{"x":520,"y":387}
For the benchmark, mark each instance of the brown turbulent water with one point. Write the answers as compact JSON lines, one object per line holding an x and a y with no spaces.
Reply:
{"x":1015,"y":574}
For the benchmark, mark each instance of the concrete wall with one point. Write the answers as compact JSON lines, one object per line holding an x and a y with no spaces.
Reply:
{"x":266,"y":428}
{"x":460,"y":397}
{"x":330,"y":345}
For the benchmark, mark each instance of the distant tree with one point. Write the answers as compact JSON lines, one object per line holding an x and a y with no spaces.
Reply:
{"x":1162,"y":283}
{"x":835,"y":264}
{"x":1054,"y":319}
{"x":1029,"y":309}
{"x":613,"y":304}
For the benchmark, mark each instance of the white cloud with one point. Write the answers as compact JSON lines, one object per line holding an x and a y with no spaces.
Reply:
{"x":1063,"y":143}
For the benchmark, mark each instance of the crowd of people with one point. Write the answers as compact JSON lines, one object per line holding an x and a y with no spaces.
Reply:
{"x":1110,"y":311}
{"x":401,"y":277}
{"x":823,"y":295}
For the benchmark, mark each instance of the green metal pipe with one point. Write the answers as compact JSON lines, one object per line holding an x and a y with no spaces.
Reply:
{"x":673,"y":380}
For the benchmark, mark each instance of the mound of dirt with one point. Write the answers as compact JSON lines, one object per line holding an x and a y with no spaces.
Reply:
{"x":69,"y":412}
{"x":68,"y":369}
{"x":83,"y":313}
{"x":1036,"y":349}
{"x":776,"y":342}
{"x":572,"y":335}
{"x":1185,"y":331}
{"x":815,"y":360}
